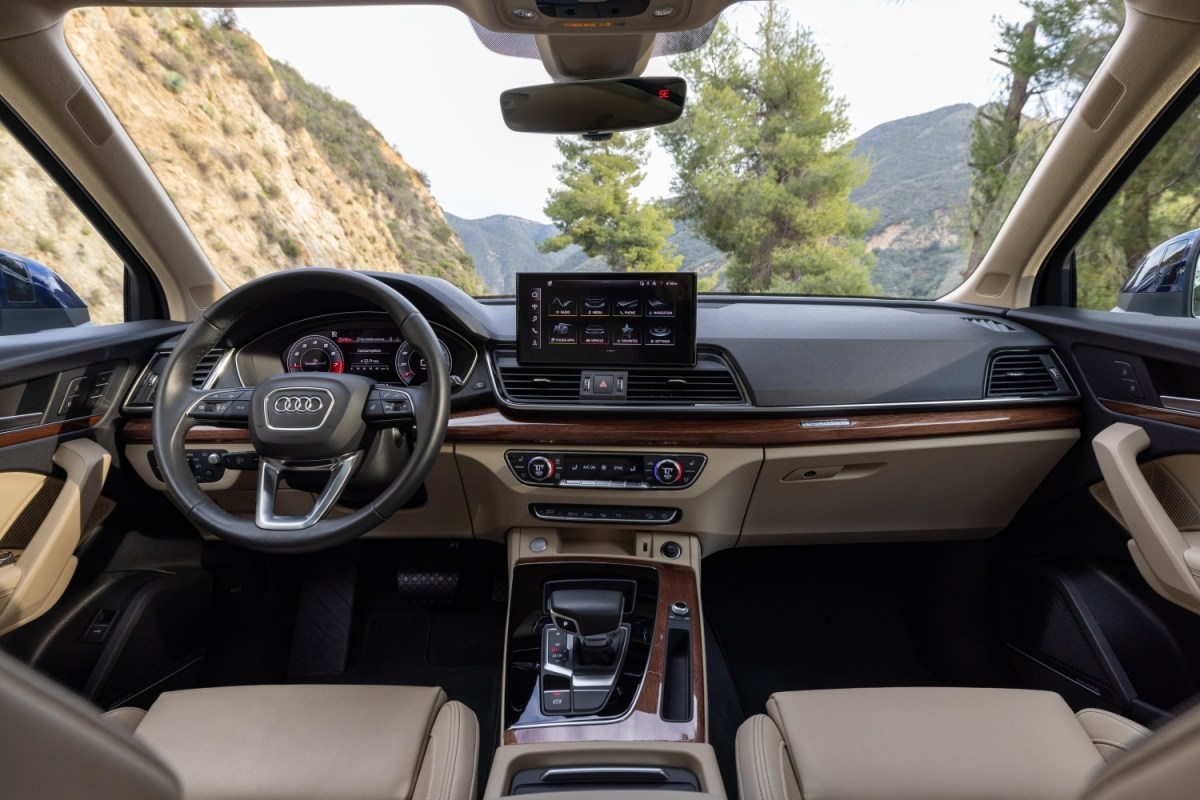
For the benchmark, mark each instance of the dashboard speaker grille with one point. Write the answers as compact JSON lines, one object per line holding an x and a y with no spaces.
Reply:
{"x":1026,"y":375}
{"x":999,"y":326}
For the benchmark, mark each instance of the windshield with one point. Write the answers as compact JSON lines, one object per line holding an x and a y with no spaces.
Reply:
{"x":861,"y":148}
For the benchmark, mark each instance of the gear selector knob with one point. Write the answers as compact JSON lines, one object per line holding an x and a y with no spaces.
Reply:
{"x":591,"y":614}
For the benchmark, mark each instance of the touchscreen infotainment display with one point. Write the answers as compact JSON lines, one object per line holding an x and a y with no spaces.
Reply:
{"x":615,"y":319}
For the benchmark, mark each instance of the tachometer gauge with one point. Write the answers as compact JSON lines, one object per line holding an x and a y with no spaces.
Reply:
{"x":315,"y":354}
{"x":411,"y":367}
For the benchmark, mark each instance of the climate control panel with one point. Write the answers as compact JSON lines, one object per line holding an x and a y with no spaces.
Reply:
{"x":581,"y":470}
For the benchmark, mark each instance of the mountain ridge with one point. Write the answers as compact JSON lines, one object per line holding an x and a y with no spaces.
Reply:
{"x":918,"y":183}
{"x":268,"y":170}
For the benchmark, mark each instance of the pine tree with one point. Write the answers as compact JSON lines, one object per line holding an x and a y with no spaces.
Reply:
{"x":764,"y":168}
{"x":596,"y":209}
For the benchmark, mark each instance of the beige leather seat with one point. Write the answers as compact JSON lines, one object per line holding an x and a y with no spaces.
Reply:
{"x":238,"y":743}
{"x":966,"y":744}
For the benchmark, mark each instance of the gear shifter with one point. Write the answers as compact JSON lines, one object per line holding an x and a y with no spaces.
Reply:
{"x":583,"y":650}
{"x":594,"y":615}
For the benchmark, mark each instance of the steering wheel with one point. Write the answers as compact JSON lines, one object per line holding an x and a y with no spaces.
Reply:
{"x":312,"y":422}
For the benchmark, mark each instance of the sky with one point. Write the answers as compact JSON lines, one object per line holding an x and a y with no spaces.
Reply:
{"x":422,"y":77}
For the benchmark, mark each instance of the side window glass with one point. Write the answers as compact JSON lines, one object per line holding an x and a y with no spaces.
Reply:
{"x":1139,"y":255}
{"x":56,"y":270}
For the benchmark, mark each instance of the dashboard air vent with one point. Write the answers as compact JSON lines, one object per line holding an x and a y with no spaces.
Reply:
{"x":205,"y":368}
{"x":141,"y":396}
{"x":710,"y":382}
{"x":703,"y":385}
{"x":540,"y":384}
{"x":999,"y":326}
{"x":1026,"y":375}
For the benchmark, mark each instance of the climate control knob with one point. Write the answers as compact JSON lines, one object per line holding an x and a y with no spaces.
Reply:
{"x":540,"y":468}
{"x":668,"y":471}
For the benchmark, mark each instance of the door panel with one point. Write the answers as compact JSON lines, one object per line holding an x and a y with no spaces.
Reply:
{"x":32,"y":583}
{"x":59,"y":408}
{"x":1140,"y":377}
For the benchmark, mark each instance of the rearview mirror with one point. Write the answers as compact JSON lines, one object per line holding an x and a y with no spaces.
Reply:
{"x":594,"y":106}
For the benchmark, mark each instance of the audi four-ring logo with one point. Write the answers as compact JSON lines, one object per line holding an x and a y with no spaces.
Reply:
{"x":305,"y":404}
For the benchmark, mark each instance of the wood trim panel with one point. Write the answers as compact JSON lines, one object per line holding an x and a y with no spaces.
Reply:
{"x":491,"y":426}
{"x":23,"y":435}
{"x":643,"y":723}
{"x":137,"y":431}
{"x":1154,"y":412}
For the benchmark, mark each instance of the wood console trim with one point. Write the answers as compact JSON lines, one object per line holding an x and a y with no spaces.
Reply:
{"x":491,"y":426}
{"x":1154,"y":412}
{"x":643,"y":723}
{"x":137,"y":431}
{"x":22,"y":435}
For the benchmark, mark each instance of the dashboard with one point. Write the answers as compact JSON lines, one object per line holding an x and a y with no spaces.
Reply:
{"x":787,"y":423}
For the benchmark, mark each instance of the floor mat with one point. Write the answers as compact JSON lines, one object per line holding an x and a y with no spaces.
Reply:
{"x":457,"y":645}
{"x":810,"y":618}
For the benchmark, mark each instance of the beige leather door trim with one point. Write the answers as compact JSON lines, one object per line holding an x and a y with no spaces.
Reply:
{"x":1168,"y":559}
{"x":31,"y":586}
{"x":17,"y":490}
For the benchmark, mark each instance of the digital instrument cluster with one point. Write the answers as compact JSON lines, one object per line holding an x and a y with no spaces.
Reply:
{"x":380,"y":354}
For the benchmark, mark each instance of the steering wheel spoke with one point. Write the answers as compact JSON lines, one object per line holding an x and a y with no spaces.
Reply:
{"x":388,"y":406}
{"x":270,"y":472}
{"x":225,"y":405}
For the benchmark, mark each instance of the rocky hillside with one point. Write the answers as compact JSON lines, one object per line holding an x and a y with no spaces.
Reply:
{"x":918,"y":185}
{"x":268,"y":170}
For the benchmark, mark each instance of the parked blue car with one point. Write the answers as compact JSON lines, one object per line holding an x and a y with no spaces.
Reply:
{"x":33,"y":297}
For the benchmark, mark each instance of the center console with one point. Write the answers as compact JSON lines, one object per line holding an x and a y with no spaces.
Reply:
{"x":604,"y":660}
{"x":604,"y":667}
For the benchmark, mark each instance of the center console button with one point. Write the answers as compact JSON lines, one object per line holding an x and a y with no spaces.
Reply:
{"x":556,"y":702}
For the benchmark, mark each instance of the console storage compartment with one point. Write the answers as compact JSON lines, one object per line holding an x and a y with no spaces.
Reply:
{"x":613,"y":767}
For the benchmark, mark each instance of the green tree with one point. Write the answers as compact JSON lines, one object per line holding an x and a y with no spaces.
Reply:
{"x":596,"y":209}
{"x":764,"y":170}
{"x":1048,"y":57}
{"x":1056,"y":51}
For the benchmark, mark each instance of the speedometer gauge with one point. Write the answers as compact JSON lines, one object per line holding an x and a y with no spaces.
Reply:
{"x":411,"y":367}
{"x":315,"y":354}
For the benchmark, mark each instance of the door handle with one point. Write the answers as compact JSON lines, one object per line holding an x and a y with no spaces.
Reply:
{"x":1167,"y":558}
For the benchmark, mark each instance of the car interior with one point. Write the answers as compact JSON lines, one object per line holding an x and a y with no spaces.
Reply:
{"x":779,"y":547}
